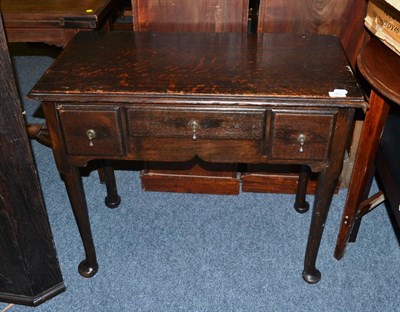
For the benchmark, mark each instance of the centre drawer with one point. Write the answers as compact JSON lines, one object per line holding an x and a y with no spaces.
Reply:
{"x":238,"y":124}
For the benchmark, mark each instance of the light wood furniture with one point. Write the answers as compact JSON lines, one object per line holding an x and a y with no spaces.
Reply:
{"x":222,"y":98}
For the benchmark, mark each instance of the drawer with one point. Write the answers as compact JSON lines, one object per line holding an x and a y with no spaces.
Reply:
{"x":91,"y":130}
{"x":301,"y":135}
{"x":197,"y":124}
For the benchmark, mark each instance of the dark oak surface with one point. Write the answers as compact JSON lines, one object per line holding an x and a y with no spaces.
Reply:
{"x":381,"y":68}
{"x":197,"y":65}
{"x":53,"y":21}
{"x":221,"y":98}
{"x":29,"y":269}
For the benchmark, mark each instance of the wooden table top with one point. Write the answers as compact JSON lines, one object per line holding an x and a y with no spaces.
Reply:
{"x":104,"y":64}
{"x":26,"y":10}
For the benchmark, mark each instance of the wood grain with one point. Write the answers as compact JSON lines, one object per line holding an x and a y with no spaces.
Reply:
{"x":29,"y":269}
{"x":183,"y":15}
{"x":343,"y":18}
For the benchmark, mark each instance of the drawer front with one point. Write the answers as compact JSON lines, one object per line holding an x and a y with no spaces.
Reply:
{"x":92,"y":130}
{"x":301,"y":135}
{"x":197,"y":124}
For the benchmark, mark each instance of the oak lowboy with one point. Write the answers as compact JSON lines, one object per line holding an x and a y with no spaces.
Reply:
{"x":225,"y":98}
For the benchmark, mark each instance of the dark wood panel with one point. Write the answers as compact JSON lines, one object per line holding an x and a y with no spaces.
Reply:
{"x":96,"y":127}
{"x":274,"y":183}
{"x":29,"y":269}
{"x":211,"y":123}
{"x":300,"y":135}
{"x":49,"y":10}
{"x":52,"y":36}
{"x":343,"y":18}
{"x":183,"y":15}
{"x":191,"y":177}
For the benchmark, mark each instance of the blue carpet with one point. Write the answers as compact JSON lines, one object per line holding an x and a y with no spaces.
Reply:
{"x":188,"y":252}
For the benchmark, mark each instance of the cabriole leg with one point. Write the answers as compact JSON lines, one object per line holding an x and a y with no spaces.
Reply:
{"x":73,"y":183}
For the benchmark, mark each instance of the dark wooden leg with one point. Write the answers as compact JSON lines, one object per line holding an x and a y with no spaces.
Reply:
{"x":112,"y":199}
{"x":100,"y":171}
{"x":326,"y":185}
{"x":370,"y":135}
{"x":301,"y":205}
{"x":76,"y":193}
{"x":325,"y":189}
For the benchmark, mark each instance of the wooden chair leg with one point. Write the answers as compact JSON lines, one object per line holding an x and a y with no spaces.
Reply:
{"x":357,"y":221}
{"x":370,"y":135}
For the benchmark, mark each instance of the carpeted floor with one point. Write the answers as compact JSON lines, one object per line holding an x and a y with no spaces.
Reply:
{"x":187,"y":252}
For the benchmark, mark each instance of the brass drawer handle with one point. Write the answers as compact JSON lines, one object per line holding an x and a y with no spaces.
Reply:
{"x":194,"y":126}
{"x":91,"y":134}
{"x":302,"y":140}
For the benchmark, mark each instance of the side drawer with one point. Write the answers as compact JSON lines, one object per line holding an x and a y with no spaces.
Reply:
{"x":301,"y":135}
{"x":91,"y":130}
{"x":197,"y":124}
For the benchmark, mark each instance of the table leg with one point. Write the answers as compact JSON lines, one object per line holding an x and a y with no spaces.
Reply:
{"x":301,"y":205}
{"x":76,"y":193}
{"x":327,"y":181}
{"x":363,"y":164}
{"x":326,"y":185}
{"x":112,"y":199}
